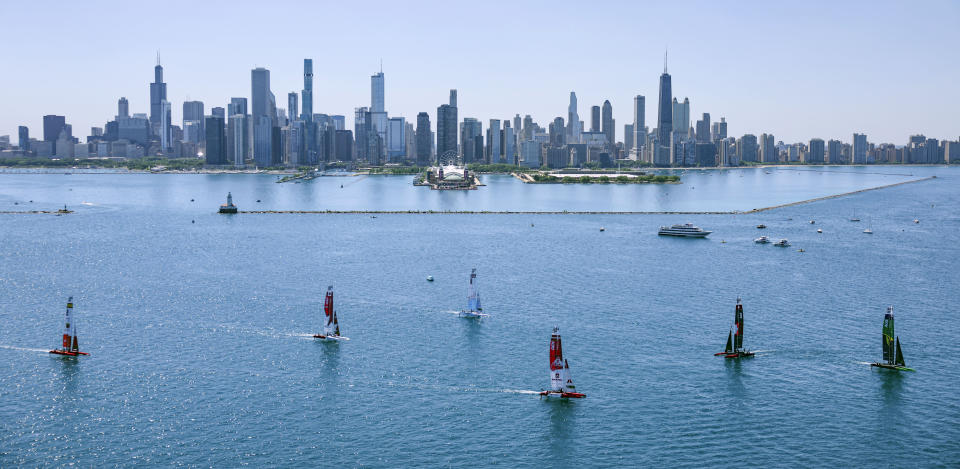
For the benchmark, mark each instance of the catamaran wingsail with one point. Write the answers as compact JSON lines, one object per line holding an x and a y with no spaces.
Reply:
{"x":331,"y":325}
{"x":71,"y":346}
{"x":734,"y":348}
{"x":561,"y":383}
{"x":892,"y":356}
{"x":474,"y":310}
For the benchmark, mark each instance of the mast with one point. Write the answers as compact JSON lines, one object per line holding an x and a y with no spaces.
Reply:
{"x":889,"y":346}
{"x":738,"y":322}
{"x":69,"y":331}
{"x":328,"y":311}
{"x":556,"y":361}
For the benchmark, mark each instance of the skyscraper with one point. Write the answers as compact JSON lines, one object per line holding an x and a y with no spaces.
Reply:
{"x":376,"y":93}
{"x":306,"y":95}
{"x":292,"y":105}
{"x":123,"y":108}
{"x":447,"y":127}
{"x":639,"y":123}
{"x":665,"y":110}
{"x":158,"y":94}
{"x":424,"y":139}
{"x":859,"y":150}
{"x":609,"y":125}
{"x":573,"y":120}
{"x":470,"y":128}
{"x":768,"y":149}
{"x":816,"y":151}
{"x":595,"y":118}
{"x":52,"y":126}
{"x":681,"y":116}
{"x":24,"y":141}
{"x":264,"y":114}
{"x":164,"y":131}
{"x":493,"y":141}
{"x":237,"y":106}
{"x":215,"y":152}
{"x":703,"y":129}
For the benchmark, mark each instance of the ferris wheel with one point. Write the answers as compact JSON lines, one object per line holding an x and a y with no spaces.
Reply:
{"x":450,"y":158}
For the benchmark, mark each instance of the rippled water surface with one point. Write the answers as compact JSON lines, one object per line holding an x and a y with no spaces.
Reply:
{"x":198,"y":324}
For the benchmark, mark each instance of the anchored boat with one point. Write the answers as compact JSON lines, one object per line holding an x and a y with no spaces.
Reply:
{"x":331,"y":326}
{"x":892,"y":356}
{"x":561,"y":384}
{"x":734,"y":348}
{"x":71,"y":347}
{"x":474,"y":310}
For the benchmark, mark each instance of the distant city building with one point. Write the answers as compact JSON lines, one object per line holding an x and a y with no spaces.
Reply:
{"x":681,"y":115}
{"x":665,"y":110}
{"x":396,"y":138}
{"x":609,"y":124}
{"x":747,"y":148}
{"x":158,"y":94}
{"x":23,"y":141}
{"x":306,"y":94}
{"x":573,"y":120}
{"x":470,"y":129}
{"x":768,"y":149}
{"x":293,"y":106}
{"x":377,"y":92}
{"x":595,"y":118}
{"x":52,"y":126}
{"x":835,"y":152}
{"x":703,"y":129}
{"x":628,"y":137}
{"x":859,"y":151}
{"x":639,"y":124}
{"x":123,"y":108}
{"x":193,"y":118}
{"x":447,"y":127}
{"x":530,"y":153}
{"x":816,"y":152}
{"x":493,"y":141}
{"x":424,"y":137}
{"x":215,"y":150}
{"x":264,"y":112}
{"x":719,"y":129}
{"x":164,"y":129}
{"x":237,"y":139}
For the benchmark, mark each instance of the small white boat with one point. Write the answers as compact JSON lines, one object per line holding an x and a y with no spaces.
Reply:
{"x":602,"y":229}
{"x":812,"y":222}
{"x":819,"y":230}
{"x":429,"y":278}
{"x":868,"y":231}
{"x":916,"y":220}
{"x":761,"y":226}
{"x":762,"y":240}
{"x":782,"y":243}
{"x":474,"y":310}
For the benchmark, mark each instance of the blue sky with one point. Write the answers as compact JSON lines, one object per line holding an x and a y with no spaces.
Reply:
{"x":795,"y":69}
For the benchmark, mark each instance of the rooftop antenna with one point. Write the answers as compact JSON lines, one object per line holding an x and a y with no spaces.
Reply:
{"x":158,"y":56}
{"x":665,"y":61}
{"x":381,"y":65}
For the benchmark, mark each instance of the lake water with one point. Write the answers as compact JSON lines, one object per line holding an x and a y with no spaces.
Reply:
{"x":199,"y":324}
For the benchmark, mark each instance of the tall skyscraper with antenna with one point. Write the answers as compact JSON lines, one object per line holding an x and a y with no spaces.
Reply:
{"x":376,"y":92}
{"x":158,"y":94}
{"x":665,"y":107}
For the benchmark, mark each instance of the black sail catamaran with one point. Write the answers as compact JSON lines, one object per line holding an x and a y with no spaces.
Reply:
{"x":734,"y":348}
{"x":892,"y":356}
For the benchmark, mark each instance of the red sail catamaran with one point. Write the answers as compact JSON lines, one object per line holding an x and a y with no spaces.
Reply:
{"x":331,"y":326}
{"x":561,"y":384}
{"x":71,"y":346}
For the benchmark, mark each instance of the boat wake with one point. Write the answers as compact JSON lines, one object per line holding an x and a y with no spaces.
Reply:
{"x":25,"y":349}
{"x":863,"y":363}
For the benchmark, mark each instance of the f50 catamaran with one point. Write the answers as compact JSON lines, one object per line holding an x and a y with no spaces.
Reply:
{"x":71,"y":347}
{"x":892,"y":356}
{"x":474,"y":310}
{"x":561,"y":384}
{"x":734,"y":348}
{"x":331,"y":326}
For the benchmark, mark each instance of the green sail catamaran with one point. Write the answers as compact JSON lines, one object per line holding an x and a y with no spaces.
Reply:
{"x":892,"y":356}
{"x":734,"y":348}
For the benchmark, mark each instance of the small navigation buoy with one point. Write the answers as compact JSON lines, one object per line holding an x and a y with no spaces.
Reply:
{"x":258,"y":201}
{"x":801,"y":250}
{"x":341,"y":186}
{"x":193,"y":221}
{"x":723,"y":241}
{"x":16,"y":203}
{"x":429,"y":278}
{"x":191,"y":200}
{"x":531,"y":224}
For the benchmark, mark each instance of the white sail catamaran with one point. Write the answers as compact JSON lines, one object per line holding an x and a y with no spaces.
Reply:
{"x":474,"y":310}
{"x":331,"y":325}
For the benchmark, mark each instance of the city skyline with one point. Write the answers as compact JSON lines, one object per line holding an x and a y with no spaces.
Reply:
{"x":720,"y":82}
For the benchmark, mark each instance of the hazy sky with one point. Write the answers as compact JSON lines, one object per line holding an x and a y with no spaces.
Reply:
{"x":797,"y":69}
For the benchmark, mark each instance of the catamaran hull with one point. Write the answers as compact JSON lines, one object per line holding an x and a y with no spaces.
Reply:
{"x":67,"y":353}
{"x":330,"y":338}
{"x":563,"y":395}
{"x":736,"y":355}
{"x":892,"y":367}
{"x":472,"y":315}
